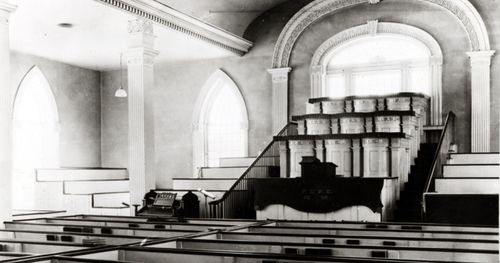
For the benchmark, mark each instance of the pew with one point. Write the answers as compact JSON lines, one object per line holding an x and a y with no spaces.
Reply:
{"x":385,"y":225}
{"x":352,"y":248}
{"x":157,"y":255}
{"x":376,"y":232}
{"x":131,"y":231}
{"x":423,"y":242}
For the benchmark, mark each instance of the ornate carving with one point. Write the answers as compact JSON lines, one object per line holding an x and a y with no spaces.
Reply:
{"x":237,"y":46}
{"x":373,"y":2}
{"x":382,"y":27}
{"x":462,"y":9}
{"x":372,"y":27}
{"x":140,"y":25}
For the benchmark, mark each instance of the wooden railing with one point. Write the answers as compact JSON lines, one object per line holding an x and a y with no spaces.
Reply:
{"x":237,"y":202}
{"x":441,"y":155}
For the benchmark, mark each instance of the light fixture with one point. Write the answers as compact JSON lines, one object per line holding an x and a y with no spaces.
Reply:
{"x":121,"y":93}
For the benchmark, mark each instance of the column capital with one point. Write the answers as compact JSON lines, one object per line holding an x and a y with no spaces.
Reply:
{"x":482,"y":57}
{"x":318,"y":69}
{"x":5,"y":9}
{"x":279,"y":74}
{"x":141,"y":33}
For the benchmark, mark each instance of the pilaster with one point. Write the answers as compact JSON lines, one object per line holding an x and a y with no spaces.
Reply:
{"x":279,"y":77}
{"x":480,"y":62}
{"x":140,"y":70}
{"x":5,"y":115}
{"x":317,"y":81}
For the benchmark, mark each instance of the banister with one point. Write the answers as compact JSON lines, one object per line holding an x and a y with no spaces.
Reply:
{"x":445,"y":139}
{"x":217,"y":206}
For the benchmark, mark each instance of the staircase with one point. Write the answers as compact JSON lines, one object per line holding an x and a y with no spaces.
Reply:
{"x":218,"y":180}
{"x":409,"y":205}
{"x":467,"y":193}
{"x":83,"y":190}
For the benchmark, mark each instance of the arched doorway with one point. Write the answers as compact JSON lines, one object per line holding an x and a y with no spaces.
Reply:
{"x":35,"y":137}
{"x":220,"y":122}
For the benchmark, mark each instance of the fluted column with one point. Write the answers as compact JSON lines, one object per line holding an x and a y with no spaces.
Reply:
{"x":279,"y":78}
{"x":5,"y":115}
{"x":480,"y":62}
{"x":140,"y":65}
{"x":317,"y":81}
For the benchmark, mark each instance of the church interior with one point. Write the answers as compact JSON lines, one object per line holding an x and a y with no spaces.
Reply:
{"x":249,"y":131}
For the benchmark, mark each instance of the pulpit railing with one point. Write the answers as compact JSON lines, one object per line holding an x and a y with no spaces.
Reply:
{"x":442,"y":151}
{"x":237,"y":202}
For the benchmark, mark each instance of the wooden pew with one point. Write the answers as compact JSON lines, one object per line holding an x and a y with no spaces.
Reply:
{"x":363,"y":240}
{"x":351,"y":250}
{"x":66,"y":237}
{"x":385,"y":225}
{"x":376,"y":232}
{"x":201,"y":221}
{"x":161,"y":255}
{"x":67,"y":228}
{"x":38,"y":247}
{"x":123,"y":223}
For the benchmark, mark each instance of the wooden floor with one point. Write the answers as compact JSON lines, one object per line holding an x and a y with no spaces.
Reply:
{"x":94,"y":238}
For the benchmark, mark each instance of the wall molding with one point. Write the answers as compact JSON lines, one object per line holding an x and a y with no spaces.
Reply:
{"x":461,"y":9}
{"x":381,"y":27}
{"x":183,"y":23}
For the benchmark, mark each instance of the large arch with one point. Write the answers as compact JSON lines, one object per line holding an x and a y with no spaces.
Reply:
{"x":35,"y":138}
{"x":374,"y":28}
{"x":463,"y":10}
{"x":465,"y":13}
{"x":202,"y":114}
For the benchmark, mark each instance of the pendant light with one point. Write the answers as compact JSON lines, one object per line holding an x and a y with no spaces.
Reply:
{"x":121,"y":93}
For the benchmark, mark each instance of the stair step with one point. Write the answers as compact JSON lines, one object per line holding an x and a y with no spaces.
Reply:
{"x":110,"y":200}
{"x":462,"y":185}
{"x":223,"y":172}
{"x":220,"y":184}
{"x":474,"y":158}
{"x":471,"y":170}
{"x":236,"y":161}
{"x":92,"y":187}
{"x":80,"y":174}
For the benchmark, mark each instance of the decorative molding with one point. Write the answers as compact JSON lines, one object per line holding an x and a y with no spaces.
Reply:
{"x":461,"y":9}
{"x":140,"y":25}
{"x":372,"y":27}
{"x":279,"y":74}
{"x":373,"y":2}
{"x":382,"y":27}
{"x":5,"y":9}
{"x":175,"y":20}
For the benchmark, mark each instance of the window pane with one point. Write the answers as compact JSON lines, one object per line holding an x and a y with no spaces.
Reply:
{"x":226,"y":127}
{"x":376,"y":82}
{"x":335,"y":85}
{"x":419,"y":80}
{"x":379,"y":49}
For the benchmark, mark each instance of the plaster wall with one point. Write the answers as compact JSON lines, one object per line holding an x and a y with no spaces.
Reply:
{"x":77,"y":94}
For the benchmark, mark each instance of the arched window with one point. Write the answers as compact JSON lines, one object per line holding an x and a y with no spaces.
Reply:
{"x":377,"y":65}
{"x":35,"y":136}
{"x":220,"y":121}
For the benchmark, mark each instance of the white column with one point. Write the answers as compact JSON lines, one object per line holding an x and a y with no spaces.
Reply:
{"x":140,"y":61}
{"x":480,"y":100}
{"x":5,"y":115}
{"x":279,"y":78}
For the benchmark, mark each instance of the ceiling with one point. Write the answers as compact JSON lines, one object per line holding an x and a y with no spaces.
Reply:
{"x":231,"y":15}
{"x":99,"y":32}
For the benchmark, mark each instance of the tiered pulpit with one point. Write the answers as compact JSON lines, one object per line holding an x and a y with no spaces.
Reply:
{"x":372,"y":136}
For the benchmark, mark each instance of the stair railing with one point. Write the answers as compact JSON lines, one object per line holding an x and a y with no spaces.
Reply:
{"x":442,"y":152}
{"x":237,"y":202}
